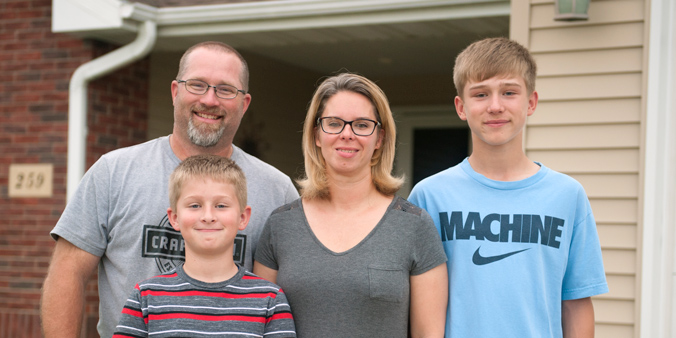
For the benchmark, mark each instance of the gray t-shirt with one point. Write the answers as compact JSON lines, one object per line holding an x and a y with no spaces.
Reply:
{"x":362,"y":292}
{"x":119,"y":213}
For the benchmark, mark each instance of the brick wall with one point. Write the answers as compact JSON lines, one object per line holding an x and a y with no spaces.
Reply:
{"x":118,"y":107}
{"x":35,"y":68}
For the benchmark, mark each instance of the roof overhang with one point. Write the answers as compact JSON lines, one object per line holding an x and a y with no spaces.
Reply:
{"x":112,"y":20}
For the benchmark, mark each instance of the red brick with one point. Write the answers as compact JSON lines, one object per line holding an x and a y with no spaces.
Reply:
{"x":29,"y":14}
{"x":4,"y":37}
{"x":6,"y":56}
{"x":15,"y":46}
{"x":55,"y":96}
{"x":31,"y":35}
{"x":56,"y":75}
{"x":47,"y":4}
{"x":15,"y":5}
{"x":14,"y":87}
{"x":69,"y":44}
{"x":28,"y":97}
{"x":70,"y":63}
{"x":14,"y":25}
{"x":44,"y":86}
{"x":8,"y":15}
{"x":45,"y":65}
{"x":13,"y":66}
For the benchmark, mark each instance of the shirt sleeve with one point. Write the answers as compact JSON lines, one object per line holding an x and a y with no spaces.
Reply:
{"x":280,"y":322}
{"x":133,"y":323}
{"x":84,"y":221}
{"x":416,"y":197}
{"x":584,"y":276}
{"x":291,"y":193}
{"x":265,"y":253}
{"x":428,"y":250}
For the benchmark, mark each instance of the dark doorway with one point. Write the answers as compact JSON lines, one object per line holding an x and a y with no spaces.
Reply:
{"x":437,"y":149}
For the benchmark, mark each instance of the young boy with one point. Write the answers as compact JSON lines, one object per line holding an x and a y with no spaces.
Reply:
{"x":523,"y":251}
{"x":209,"y":295}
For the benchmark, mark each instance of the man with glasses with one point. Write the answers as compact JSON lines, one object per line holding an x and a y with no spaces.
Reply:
{"x":118,"y":216}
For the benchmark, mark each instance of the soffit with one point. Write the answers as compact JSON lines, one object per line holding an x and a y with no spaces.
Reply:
{"x":392,"y":37}
{"x":398,"y":49}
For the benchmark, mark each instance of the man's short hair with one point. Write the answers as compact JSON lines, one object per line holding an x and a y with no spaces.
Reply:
{"x":216,"y":168}
{"x":216,"y":46}
{"x":491,"y":57}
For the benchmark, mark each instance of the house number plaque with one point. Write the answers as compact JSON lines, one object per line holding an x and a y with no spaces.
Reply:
{"x":31,"y":180}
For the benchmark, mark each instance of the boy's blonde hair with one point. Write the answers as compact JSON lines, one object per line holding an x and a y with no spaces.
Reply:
{"x":217,"y":168}
{"x":491,"y":57}
{"x":315,"y":184}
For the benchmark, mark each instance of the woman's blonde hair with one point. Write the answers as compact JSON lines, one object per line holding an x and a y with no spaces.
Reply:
{"x":315,"y":183}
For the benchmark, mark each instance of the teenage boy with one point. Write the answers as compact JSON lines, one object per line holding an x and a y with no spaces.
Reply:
{"x":523,"y":252}
{"x":209,"y":295}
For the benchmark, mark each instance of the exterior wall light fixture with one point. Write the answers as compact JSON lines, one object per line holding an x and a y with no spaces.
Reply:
{"x":571,"y":10}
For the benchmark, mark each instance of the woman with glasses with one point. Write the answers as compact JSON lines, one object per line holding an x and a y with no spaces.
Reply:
{"x":353,"y":259}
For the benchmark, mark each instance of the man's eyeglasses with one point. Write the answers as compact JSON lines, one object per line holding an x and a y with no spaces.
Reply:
{"x":335,"y":125}
{"x":199,"y":87}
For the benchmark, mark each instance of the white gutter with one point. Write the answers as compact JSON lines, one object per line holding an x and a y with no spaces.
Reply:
{"x":326,"y":9}
{"x":258,"y":16}
{"x":77,"y":99}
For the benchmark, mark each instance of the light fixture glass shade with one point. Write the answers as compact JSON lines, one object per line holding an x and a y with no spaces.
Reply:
{"x":571,"y":10}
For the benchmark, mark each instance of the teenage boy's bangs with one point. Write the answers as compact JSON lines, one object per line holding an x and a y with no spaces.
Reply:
{"x":494,"y":57}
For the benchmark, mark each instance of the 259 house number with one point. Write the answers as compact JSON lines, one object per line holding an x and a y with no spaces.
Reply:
{"x":31,"y":180}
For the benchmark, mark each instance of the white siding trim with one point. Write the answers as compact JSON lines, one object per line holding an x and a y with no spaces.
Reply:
{"x":658,"y":287}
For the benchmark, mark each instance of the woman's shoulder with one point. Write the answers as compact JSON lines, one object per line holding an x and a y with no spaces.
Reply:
{"x":406,"y":207}
{"x":406,"y":217}
{"x":287,"y":208}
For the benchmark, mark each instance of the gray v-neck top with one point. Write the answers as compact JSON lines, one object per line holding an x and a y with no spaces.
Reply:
{"x":361,"y":292}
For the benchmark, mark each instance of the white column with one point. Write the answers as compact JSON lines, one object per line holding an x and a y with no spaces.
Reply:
{"x":658,"y":287}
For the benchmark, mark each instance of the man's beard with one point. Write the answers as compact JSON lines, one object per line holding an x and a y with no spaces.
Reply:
{"x":205,"y":138}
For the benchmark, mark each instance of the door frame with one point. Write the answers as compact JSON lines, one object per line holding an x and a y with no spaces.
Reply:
{"x":410,"y":118}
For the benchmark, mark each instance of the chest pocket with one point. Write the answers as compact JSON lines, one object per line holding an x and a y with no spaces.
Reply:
{"x":388,"y":283}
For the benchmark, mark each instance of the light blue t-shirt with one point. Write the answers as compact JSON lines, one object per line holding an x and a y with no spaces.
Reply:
{"x":515,"y":250}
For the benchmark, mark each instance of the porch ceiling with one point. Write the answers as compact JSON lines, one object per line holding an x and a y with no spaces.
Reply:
{"x":404,"y":38}
{"x":392,"y":49}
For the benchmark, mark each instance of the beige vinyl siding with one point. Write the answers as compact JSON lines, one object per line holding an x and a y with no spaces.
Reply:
{"x":588,"y":125}
{"x":594,"y":111}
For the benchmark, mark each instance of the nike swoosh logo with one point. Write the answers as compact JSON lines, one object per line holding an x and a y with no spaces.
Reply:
{"x":477,"y":259}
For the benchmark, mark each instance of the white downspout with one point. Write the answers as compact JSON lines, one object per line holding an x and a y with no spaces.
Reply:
{"x":77,"y":105}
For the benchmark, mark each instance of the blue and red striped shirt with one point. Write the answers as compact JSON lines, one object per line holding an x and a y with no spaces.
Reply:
{"x":174,"y":304}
